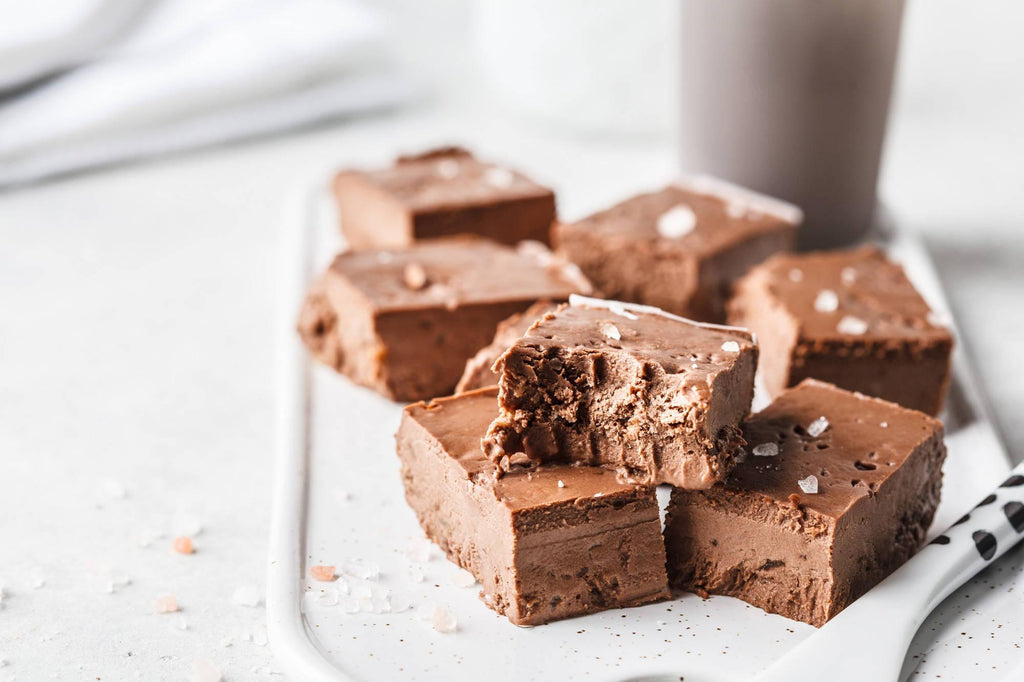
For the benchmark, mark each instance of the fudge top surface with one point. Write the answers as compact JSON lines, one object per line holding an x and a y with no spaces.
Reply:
{"x":457,"y":424}
{"x":695,"y":350}
{"x":455,"y":272}
{"x":864,"y":441}
{"x":700,"y":216}
{"x":448,"y":178}
{"x":846,"y":294}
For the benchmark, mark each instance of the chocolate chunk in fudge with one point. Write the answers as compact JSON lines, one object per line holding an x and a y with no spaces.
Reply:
{"x":851,"y":318}
{"x":479,"y":372}
{"x":404,"y":321}
{"x":654,"y":396}
{"x":441,"y":193}
{"x":680,"y":248}
{"x":545,"y":543}
{"x":837,"y":491}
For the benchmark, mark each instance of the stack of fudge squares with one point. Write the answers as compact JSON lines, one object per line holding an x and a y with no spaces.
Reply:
{"x":558,"y":389}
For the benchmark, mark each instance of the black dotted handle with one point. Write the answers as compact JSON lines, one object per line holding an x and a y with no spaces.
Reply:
{"x":1000,"y":510}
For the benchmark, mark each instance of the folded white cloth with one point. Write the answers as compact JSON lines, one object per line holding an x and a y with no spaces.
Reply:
{"x":184,"y":73}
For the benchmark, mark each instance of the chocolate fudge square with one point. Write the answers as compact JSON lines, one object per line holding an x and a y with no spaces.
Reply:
{"x":851,"y":318}
{"x":681,"y":248}
{"x":654,"y":396}
{"x":478,"y":372}
{"x":441,"y":193}
{"x":545,"y":543}
{"x":404,"y":321}
{"x":838,"y":490}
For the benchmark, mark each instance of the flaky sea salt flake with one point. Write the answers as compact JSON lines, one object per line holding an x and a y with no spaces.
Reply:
{"x":328,"y":596}
{"x":677,"y":222}
{"x":766,"y":450}
{"x":809,"y":485}
{"x":499,"y":177}
{"x":364,"y":570}
{"x":419,"y":550}
{"x":817,"y":427}
{"x":731,"y":347}
{"x":611,"y":331}
{"x":117,"y":582}
{"x":448,"y":168}
{"x":852,"y":325}
{"x":561,"y":483}
{"x":826,"y":301}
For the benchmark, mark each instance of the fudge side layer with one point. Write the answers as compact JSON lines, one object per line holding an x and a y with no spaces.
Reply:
{"x":441,"y":193}
{"x":545,"y":543}
{"x":404,"y":321}
{"x":851,"y":318}
{"x":680,"y":248}
{"x":837,"y":491}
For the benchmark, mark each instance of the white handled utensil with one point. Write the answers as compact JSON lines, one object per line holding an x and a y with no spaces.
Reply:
{"x":884,"y":620}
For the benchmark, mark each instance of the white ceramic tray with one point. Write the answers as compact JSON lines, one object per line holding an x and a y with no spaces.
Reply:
{"x":338,"y":500}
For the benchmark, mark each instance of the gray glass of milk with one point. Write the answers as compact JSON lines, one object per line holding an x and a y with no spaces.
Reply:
{"x":791,"y":97}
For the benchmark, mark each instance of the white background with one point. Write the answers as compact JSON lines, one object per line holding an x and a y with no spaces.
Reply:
{"x":136,"y":339}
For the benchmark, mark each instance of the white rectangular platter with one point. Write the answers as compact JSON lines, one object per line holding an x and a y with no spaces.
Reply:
{"x":339,"y":501}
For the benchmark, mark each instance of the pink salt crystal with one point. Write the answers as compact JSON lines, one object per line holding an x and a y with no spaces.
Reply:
{"x":166,"y":603}
{"x":183,"y":545}
{"x":324,"y":574}
{"x":444,"y":622}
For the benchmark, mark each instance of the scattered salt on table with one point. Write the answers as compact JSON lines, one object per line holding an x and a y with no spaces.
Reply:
{"x":444,"y":622}
{"x":166,"y":603}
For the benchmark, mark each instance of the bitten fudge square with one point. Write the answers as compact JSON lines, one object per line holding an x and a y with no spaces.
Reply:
{"x":654,"y":396}
{"x":478,"y":372}
{"x":441,"y":193}
{"x":404,"y":321}
{"x":545,"y":543}
{"x":851,"y":318}
{"x":837,"y":491}
{"x":680,"y":248}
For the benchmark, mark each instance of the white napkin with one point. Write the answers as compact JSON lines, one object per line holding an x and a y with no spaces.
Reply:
{"x":185,"y":73}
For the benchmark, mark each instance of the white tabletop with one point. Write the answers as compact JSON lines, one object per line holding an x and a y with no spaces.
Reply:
{"x":136,"y":351}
